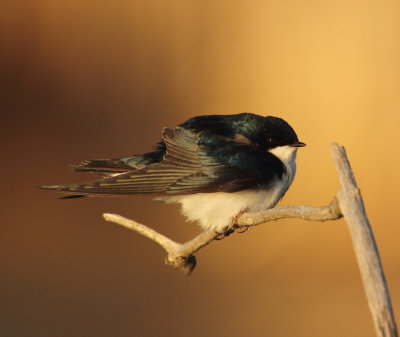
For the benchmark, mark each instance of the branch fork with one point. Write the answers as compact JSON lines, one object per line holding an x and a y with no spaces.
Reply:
{"x":180,"y":255}
{"x":347,"y":203}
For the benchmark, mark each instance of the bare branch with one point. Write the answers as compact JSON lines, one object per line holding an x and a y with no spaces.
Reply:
{"x":347,"y":203}
{"x":149,"y":233}
{"x":178,"y":255}
{"x":323,"y":213}
{"x":181,"y":255}
{"x":366,"y":250}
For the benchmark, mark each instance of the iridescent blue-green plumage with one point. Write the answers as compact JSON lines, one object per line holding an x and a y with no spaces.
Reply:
{"x":212,"y":153}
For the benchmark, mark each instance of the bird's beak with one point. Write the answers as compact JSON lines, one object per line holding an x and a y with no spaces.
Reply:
{"x":298,"y":144}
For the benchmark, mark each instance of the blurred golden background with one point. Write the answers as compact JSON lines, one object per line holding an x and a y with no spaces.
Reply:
{"x":97,"y":79}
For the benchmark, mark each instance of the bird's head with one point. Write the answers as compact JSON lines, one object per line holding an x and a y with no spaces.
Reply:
{"x":267,"y":132}
{"x":277,"y":132}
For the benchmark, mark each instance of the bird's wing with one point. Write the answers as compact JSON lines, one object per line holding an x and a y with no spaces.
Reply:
{"x":186,"y":168}
{"x":112,"y":167}
{"x":104,"y":167}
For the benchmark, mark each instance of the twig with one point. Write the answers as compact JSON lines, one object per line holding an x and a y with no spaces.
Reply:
{"x":323,"y":213}
{"x":180,"y":255}
{"x":347,"y":203}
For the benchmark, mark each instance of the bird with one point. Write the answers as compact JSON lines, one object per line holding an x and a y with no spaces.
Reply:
{"x":217,"y":167}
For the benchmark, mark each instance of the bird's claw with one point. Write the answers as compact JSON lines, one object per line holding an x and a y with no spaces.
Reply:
{"x":241,"y":229}
{"x":225,"y":232}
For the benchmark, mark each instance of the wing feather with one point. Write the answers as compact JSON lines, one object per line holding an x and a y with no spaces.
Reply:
{"x":186,"y":168}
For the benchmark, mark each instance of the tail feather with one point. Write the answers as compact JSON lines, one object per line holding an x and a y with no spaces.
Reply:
{"x":73,"y":196}
{"x":107,"y":168}
{"x":63,"y":188}
{"x":70,"y":191}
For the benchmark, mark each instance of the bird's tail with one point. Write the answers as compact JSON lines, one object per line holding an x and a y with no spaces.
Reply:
{"x":108,"y":169}
{"x":105,"y":167}
{"x":72,"y":190}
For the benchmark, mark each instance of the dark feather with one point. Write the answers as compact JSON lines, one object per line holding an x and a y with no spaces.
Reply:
{"x":192,"y":164}
{"x":211,"y":153}
{"x":74,"y":196}
{"x":102,"y":166}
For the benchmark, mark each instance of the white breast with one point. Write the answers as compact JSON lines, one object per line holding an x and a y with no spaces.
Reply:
{"x":287,"y":154}
{"x":218,"y":210}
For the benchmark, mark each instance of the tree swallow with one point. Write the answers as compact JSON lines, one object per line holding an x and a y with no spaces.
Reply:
{"x":216,"y":166}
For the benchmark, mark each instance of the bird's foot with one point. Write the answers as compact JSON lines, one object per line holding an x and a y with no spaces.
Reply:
{"x":232,"y":228}
{"x":235,"y":226}
{"x":225,"y":232}
{"x":240,"y":229}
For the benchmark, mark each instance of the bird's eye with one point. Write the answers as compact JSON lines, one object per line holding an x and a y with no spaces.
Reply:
{"x":273,"y":141}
